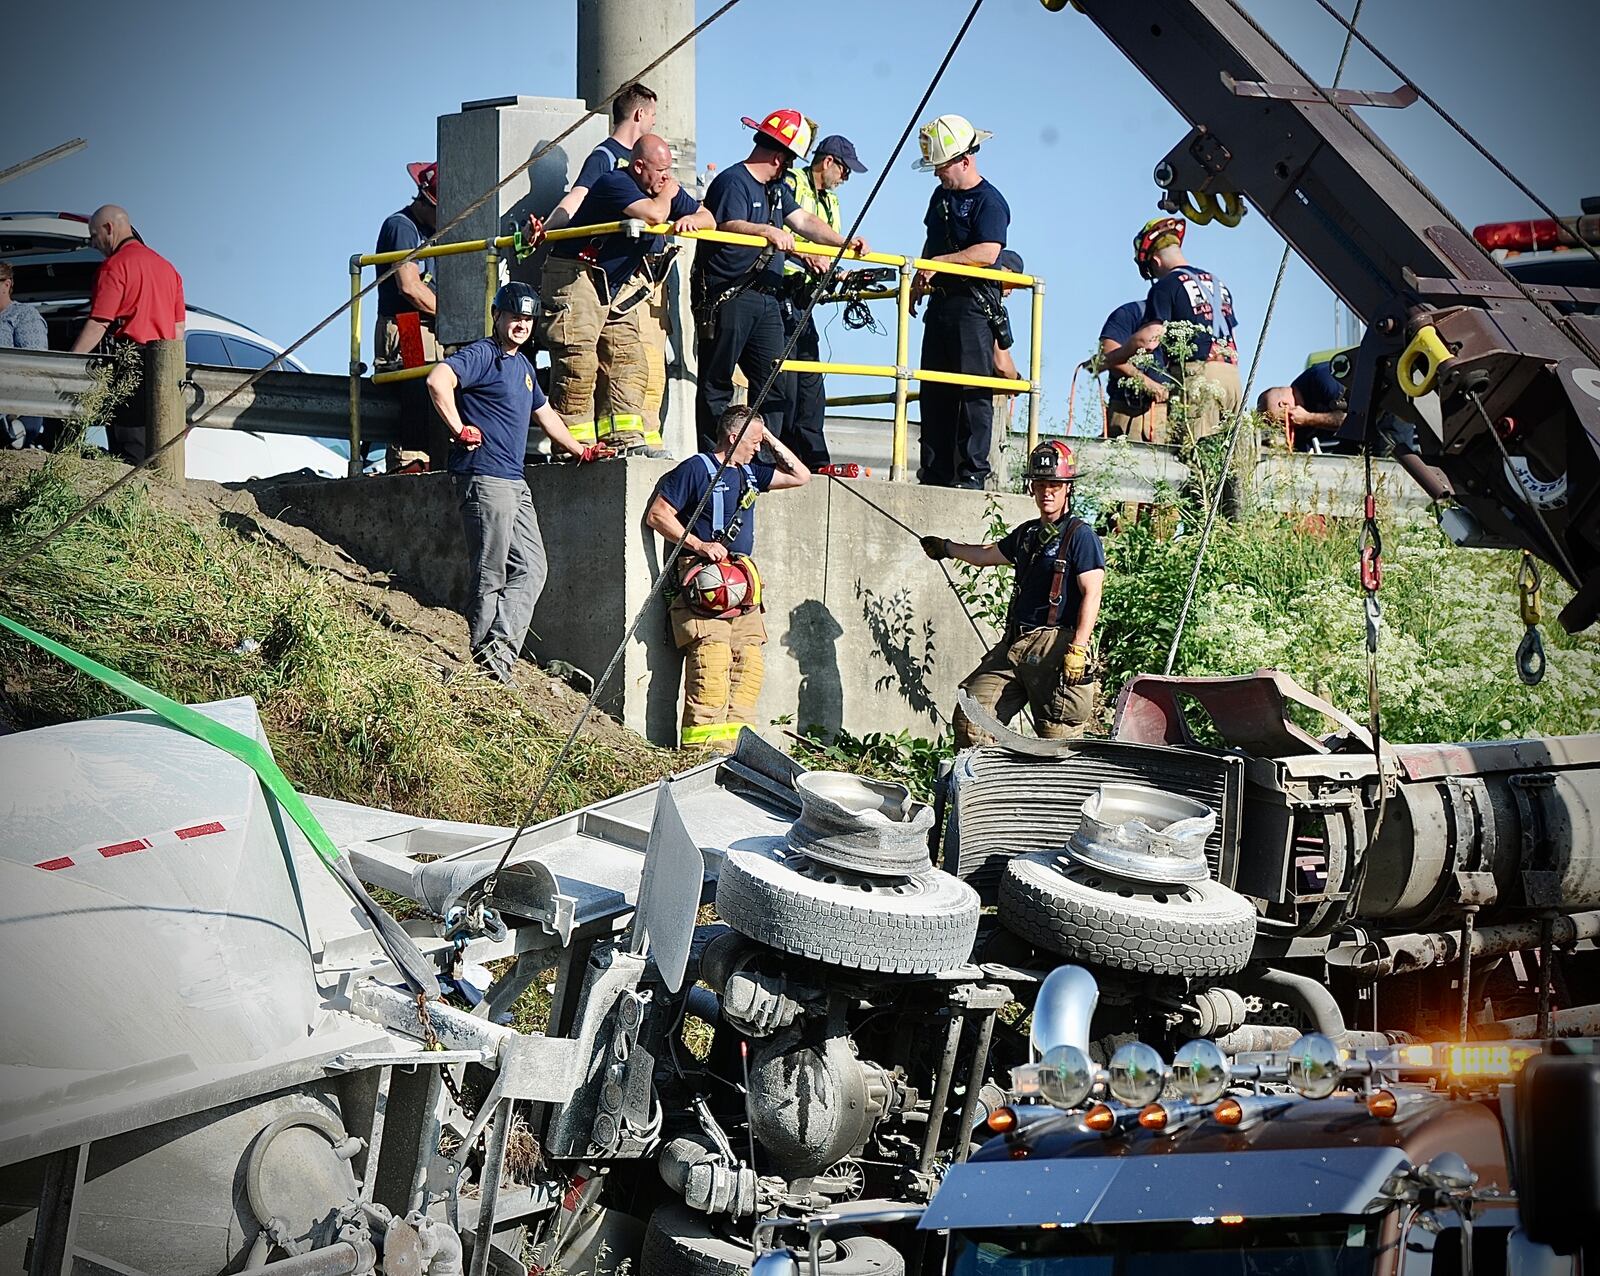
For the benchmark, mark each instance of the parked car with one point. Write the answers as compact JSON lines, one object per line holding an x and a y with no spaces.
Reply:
{"x":55,"y":268}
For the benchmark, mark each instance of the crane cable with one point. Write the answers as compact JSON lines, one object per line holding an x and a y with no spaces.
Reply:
{"x":1239,"y":416}
{"x":756,"y":398}
{"x":1450,"y":120}
{"x":421,"y":250}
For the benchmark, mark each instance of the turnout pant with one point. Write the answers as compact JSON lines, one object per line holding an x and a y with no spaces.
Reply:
{"x":808,"y":404}
{"x":593,"y":342}
{"x":506,"y":567}
{"x":957,"y":421}
{"x":423,"y":436}
{"x":749,"y":336}
{"x":1148,"y":426}
{"x":722,"y":670}
{"x":1027,"y":671}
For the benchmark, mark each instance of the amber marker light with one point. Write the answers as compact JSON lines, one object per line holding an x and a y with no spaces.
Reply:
{"x":1383,"y":1104}
{"x":1153,"y":1117}
{"x":1001,"y":1120}
{"x":1100,"y":1119}
{"x":1228,"y":1112}
{"x":1230,"y":1219}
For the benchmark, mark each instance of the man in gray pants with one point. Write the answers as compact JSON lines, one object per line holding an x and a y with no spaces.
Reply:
{"x":487,"y":396}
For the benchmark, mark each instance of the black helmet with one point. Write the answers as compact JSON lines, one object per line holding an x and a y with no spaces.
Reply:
{"x":518,"y":299}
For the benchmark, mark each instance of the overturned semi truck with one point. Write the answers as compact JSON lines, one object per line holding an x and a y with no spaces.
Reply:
{"x":215,"y":1063}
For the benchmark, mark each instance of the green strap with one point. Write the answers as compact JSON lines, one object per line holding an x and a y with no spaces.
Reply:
{"x":399,"y":946}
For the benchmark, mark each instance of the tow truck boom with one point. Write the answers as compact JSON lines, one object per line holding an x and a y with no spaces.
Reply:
{"x":1503,"y":386}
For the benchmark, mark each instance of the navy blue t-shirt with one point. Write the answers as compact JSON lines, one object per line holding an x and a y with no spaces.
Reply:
{"x":959,"y":219}
{"x":1319,"y":390}
{"x":1032,"y":548}
{"x":686,"y":483}
{"x":617,"y":255}
{"x":1189,"y":294}
{"x":1120,"y":325}
{"x":608,"y":157}
{"x":736,"y":196}
{"x":399,"y":234}
{"x":498,"y":394}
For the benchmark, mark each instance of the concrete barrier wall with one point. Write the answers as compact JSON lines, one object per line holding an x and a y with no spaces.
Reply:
{"x":863,"y":631}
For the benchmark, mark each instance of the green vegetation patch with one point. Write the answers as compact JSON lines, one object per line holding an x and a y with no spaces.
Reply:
{"x":164,"y":589}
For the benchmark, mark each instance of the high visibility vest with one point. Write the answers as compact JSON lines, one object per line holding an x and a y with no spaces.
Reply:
{"x":823,"y":204}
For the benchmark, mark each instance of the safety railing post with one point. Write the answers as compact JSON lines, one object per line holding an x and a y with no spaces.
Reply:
{"x":491,"y":284}
{"x":902,"y":373}
{"x":1035,"y":359}
{"x":354,"y":468}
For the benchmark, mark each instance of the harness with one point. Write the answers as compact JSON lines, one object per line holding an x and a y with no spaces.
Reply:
{"x":1058,"y":574}
{"x":706,"y":309}
{"x":726,"y":527}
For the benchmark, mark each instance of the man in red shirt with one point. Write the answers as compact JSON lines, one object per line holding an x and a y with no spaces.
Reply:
{"x":138,"y":297}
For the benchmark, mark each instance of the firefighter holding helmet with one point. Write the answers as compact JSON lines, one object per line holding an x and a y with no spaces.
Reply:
{"x":1042,"y":659}
{"x":716,"y":610}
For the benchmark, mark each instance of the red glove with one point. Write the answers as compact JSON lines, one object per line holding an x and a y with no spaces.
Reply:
{"x":470,"y":436}
{"x":533,"y":233}
{"x":596,"y":452}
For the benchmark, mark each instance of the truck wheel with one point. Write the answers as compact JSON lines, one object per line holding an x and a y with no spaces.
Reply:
{"x":679,"y":1242}
{"x":916,"y":925}
{"x":1198,"y":928}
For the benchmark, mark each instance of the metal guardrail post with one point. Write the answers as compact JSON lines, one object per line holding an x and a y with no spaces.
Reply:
{"x":164,"y":371}
{"x":355,"y":366}
{"x":902,"y":374}
{"x":1035,"y":364}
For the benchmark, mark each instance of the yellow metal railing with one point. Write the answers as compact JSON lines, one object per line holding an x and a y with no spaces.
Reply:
{"x":900,"y":371}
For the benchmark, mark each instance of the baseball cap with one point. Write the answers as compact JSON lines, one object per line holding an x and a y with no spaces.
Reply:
{"x":425,"y":173}
{"x":1010,"y":260}
{"x":842,"y":149}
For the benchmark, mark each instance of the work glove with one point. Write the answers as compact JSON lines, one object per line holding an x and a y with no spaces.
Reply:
{"x":1075,"y":664}
{"x":596,"y":452}
{"x":936,"y":547}
{"x":470,"y":436}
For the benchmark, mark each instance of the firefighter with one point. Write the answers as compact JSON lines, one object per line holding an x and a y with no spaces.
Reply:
{"x":1180,"y":292}
{"x":816,"y":189}
{"x":966,"y":221}
{"x":737,"y":291}
{"x":596,"y":290}
{"x":1042,"y":659}
{"x":716,"y":611}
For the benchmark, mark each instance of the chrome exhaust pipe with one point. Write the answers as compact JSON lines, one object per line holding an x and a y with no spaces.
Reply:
{"x":1063,"y":1010}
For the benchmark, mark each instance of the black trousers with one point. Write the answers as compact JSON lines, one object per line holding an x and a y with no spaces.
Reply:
{"x":957,"y":421}
{"x":808,"y":406}
{"x":749,"y":336}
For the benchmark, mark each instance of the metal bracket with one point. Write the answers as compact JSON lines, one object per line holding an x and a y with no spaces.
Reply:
{"x":1404,"y":96}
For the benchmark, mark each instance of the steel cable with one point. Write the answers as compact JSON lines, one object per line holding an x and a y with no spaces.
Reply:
{"x":1238,"y":418}
{"x":1445,"y":115}
{"x":756,"y":398}
{"x":420,"y":250}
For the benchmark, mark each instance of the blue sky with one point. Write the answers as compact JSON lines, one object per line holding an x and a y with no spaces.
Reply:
{"x":258,"y":147}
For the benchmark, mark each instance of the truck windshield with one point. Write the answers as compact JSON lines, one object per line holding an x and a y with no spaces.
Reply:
{"x":1284,"y":1247}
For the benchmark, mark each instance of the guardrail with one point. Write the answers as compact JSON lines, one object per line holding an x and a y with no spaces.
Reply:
{"x":900,"y":370}
{"x":50,"y":383}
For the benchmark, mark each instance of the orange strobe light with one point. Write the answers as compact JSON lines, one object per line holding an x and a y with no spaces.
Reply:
{"x":1001,"y":1120}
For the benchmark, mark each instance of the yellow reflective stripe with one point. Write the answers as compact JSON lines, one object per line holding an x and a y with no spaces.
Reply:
{"x":619,"y":423}
{"x":710,"y":731}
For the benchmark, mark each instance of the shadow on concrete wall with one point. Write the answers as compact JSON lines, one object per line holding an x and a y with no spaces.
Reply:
{"x":905,"y":644}
{"x":813,"y":641}
{"x":547,"y":183}
{"x":663,"y":661}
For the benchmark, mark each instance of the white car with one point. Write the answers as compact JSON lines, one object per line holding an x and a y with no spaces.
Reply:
{"x":55,"y":267}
